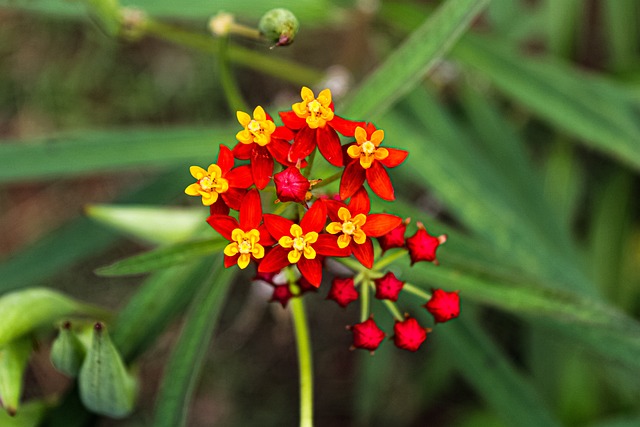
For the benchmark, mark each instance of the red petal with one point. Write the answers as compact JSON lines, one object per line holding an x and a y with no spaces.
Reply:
{"x":370,"y":128}
{"x":311,"y":269}
{"x":242,"y":151}
{"x":239,"y":177}
{"x":333,"y":206}
{"x":394,"y":158}
{"x":363,"y":252}
{"x":220,"y":207}
{"x":344,"y":126}
{"x":283,"y":132}
{"x":251,"y":211}
{"x":279,"y":149}
{"x":327,"y":245}
{"x":265,"y":237}
{"x":223,"y":224}
{"x":303,"y":144}
{"x":277,"y":226}
{"x":379,"y":224}
{"x":261,"y":166}
{"x":329,"y":145}
{"x":352,"y":179}
{"x":292,"y":121}
{"x":315,"y":218}
{"x":233,"y":198}
{"x":359,"y":202}
{"x":379,"y":181}
{"x":275,"y":260}
{"x":230,"y":261}
{"x":225,"y":159}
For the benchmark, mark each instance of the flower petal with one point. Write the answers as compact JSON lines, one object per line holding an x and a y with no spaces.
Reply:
{"x":329,"y":145}
{"x":275,"y":260}
{"x":279,"y":149}
{"x":315,"y":218}
{"x":223,"y":224}
{"x":394,"y":158}
{"x":303,"y":144}
{"x":379,"y":181}
{"x":225,"y":159}
{"x":352,"y":179}
{"x":380,"y":224}
{"x":292,"y":121}
{"x":333,"y":206}
{"x":220,"y":207}
{"x":240,"y":177}
{"x":364,"y":252}
{"x":311,"y":269}
{"x":251,"y":211}
{"x":242,"y":151}
{"x":261,"y":166}
{"x":231,"y":260}
{"x":233,"y":198}
{"x":277,"y":225}
{"x":327,"y":245}
{"x":359,"y":203}
{"x":344,"y":126}
{"x":283,"y":133}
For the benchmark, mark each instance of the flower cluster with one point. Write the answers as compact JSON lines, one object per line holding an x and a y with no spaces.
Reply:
{"x":270,"y":169}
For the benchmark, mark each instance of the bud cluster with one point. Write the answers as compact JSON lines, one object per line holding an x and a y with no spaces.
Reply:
{"x":304,"y":225}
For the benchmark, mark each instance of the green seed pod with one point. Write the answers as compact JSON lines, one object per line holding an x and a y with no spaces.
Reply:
{"x":279,"y":26}
{"x":13,"y":362}
{"x":67,"y":351}
{"x":105,"y":386}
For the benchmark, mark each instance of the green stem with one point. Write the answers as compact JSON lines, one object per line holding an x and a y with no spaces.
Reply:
{"x":276,"y":67}
{"x":389,"y":259}
{"x":393,"y":310}
{"x":329,"y":180}
{"x":304,"y":361}
{"x":229,"y":85}
{"x":416,"y":291}
{"x":364,"y":300}
{"x":352,"y":264}
{"x":307,"y":170}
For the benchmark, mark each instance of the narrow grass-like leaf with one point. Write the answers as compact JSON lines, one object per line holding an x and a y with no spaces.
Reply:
{"x":152,"y":224}
{"x":562,"y":24}
{"x":493,"y":377}
{"x":183,"y":370}
{"x":621,"y":23}
{"x":410,"y":62}
{"x":97,"y":152}
{"x":168,"y":256}
{"x":563,"y":96}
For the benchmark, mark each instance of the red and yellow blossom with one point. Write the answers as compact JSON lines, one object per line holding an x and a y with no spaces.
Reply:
{"x":247,"y":238}
{"x":353,"y":227}
{"x":221,"y":186}
{"x":365,"y":161}
{"x":316,"y":125}
{"x":261,"y":142}
{"x":300,"y":244}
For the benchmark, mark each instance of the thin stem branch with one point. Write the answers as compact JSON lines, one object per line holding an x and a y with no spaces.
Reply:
{"x":229,"y":84}
{"x":416,"y":291}
{"x":329,"y":180}
{"x":393,"y":310}
{"x":364,"y":300}
{"x":388,"y":259}
{"x":304,"y":361}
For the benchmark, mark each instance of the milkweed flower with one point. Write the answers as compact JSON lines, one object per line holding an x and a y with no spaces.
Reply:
{"x":248,"y":237}
{"x":422,"y":246}
{"x":394,"y":238}
{"x":367,"y":161}
{"x":291,"y":185}
{"x":316,"y":125}
{"x":353,"y":226}
{"x":343,"y":291}
{"x":444,"y":305}
{"x":366,"y":335}
{"x":261,"y":142}
{"x":388,"y":287}
{"x":221,"y":186}
{"x":409,"y":335}
{"x":300,"y":244}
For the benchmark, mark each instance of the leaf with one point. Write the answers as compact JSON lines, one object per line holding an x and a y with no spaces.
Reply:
{"x":152,"y":224}
{"x":410,"y":62}
{"x":563,"y":96}
{"x":163,"y":257}
{"x":185,"y":365}
{"x":14,"y":357}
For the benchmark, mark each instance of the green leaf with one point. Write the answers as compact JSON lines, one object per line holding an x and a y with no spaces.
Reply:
{"x":571,"y":100}
{"x":185,"y":365}
{"x":178,"y":254}
{"x":97,"y":152}
{"x":14,"y":357}
{"x":410,"y":62}
{"x":153,"y":224}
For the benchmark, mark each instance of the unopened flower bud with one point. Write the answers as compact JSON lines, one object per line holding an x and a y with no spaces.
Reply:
{"x":279,"y":26}
{"x":409,"y":335}
{"x":367,"y":335}
{"x":422,"y":246}
{"x":394,"y":238}
{"x":281,"y":294}
{"x":388,"y":287}
{"x":220,"y":25}
{"x":343,"y":291}
{"x":444,"y":305}
{"x":291,"y":185}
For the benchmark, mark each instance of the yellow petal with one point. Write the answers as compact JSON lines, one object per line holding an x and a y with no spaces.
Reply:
{"x":285,"y":241}
{"x":343,"y":241}
{"x":377,"y":137}
{"x":324,"y":97}
{"x":197,"y":172}
{"x":258,"y":251}
{"x":231,"y":249}
{"x":354,"y":151}
{"x":209,"y":198}
{"x":243,"y":260}
{"x":223,"y":185}
{"x":359,"y":236}
{"x":307,"y":94}
{"x":309,"y":252}
{"x":359,"y":220}
{"x":361,"y":135}
{"x":381,"y":153}
{"x":215,"y":171}
{"x":366,"y":161}
{"x":259,"y":114}
{"x":237,"y":235}
{"x":334,"y":228}
{"x":300,"y":109}
{"x":244,"y":136}
{"x":243,"y":118}
{"x":295,"y":230}
{"x":311,"y":237}
{"x":344,"y":214}
{"x":193,"y":189}
{"x":294,"y":256}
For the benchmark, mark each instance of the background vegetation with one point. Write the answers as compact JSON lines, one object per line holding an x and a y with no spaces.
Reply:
{"x":524,"y":137}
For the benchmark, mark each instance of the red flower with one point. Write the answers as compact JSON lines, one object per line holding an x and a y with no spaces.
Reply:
{"x":422,"y":246}
{"x":343,"y":291}
{"x":388,"y":287}
{"x":261,"y":142}
{"x":316,"y":124}
{"x":281,"y":294}
{"x":409,"y":335}
{"x":220,"y":186}
{"x":247,"y":237}
{"x":444,"y":305}
{"x":354,"y":227}
{"x":367,"y":161}
{"x":300,"y":244}
{"x":366,"y":335}
{"x":291,"y":185}
{"x":394,"y":238}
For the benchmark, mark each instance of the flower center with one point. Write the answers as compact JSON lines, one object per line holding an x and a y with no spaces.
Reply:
{"x":245,"y":246}
{"x":368,"y":147}
{"x":314,"y":107}
{"x":299,"y":244}
{"x":349,"y":227}
{"x":255,"y":127}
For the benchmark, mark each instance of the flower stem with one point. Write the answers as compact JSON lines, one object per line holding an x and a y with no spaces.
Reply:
{"x":393,"y":310}
{"x":329,"y":180}
{"x":364,"y":300}
{"x":416,"y":291}
{"x":389,"y":259}
{"x":304,"y":361}
{"x":229,"y":85}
